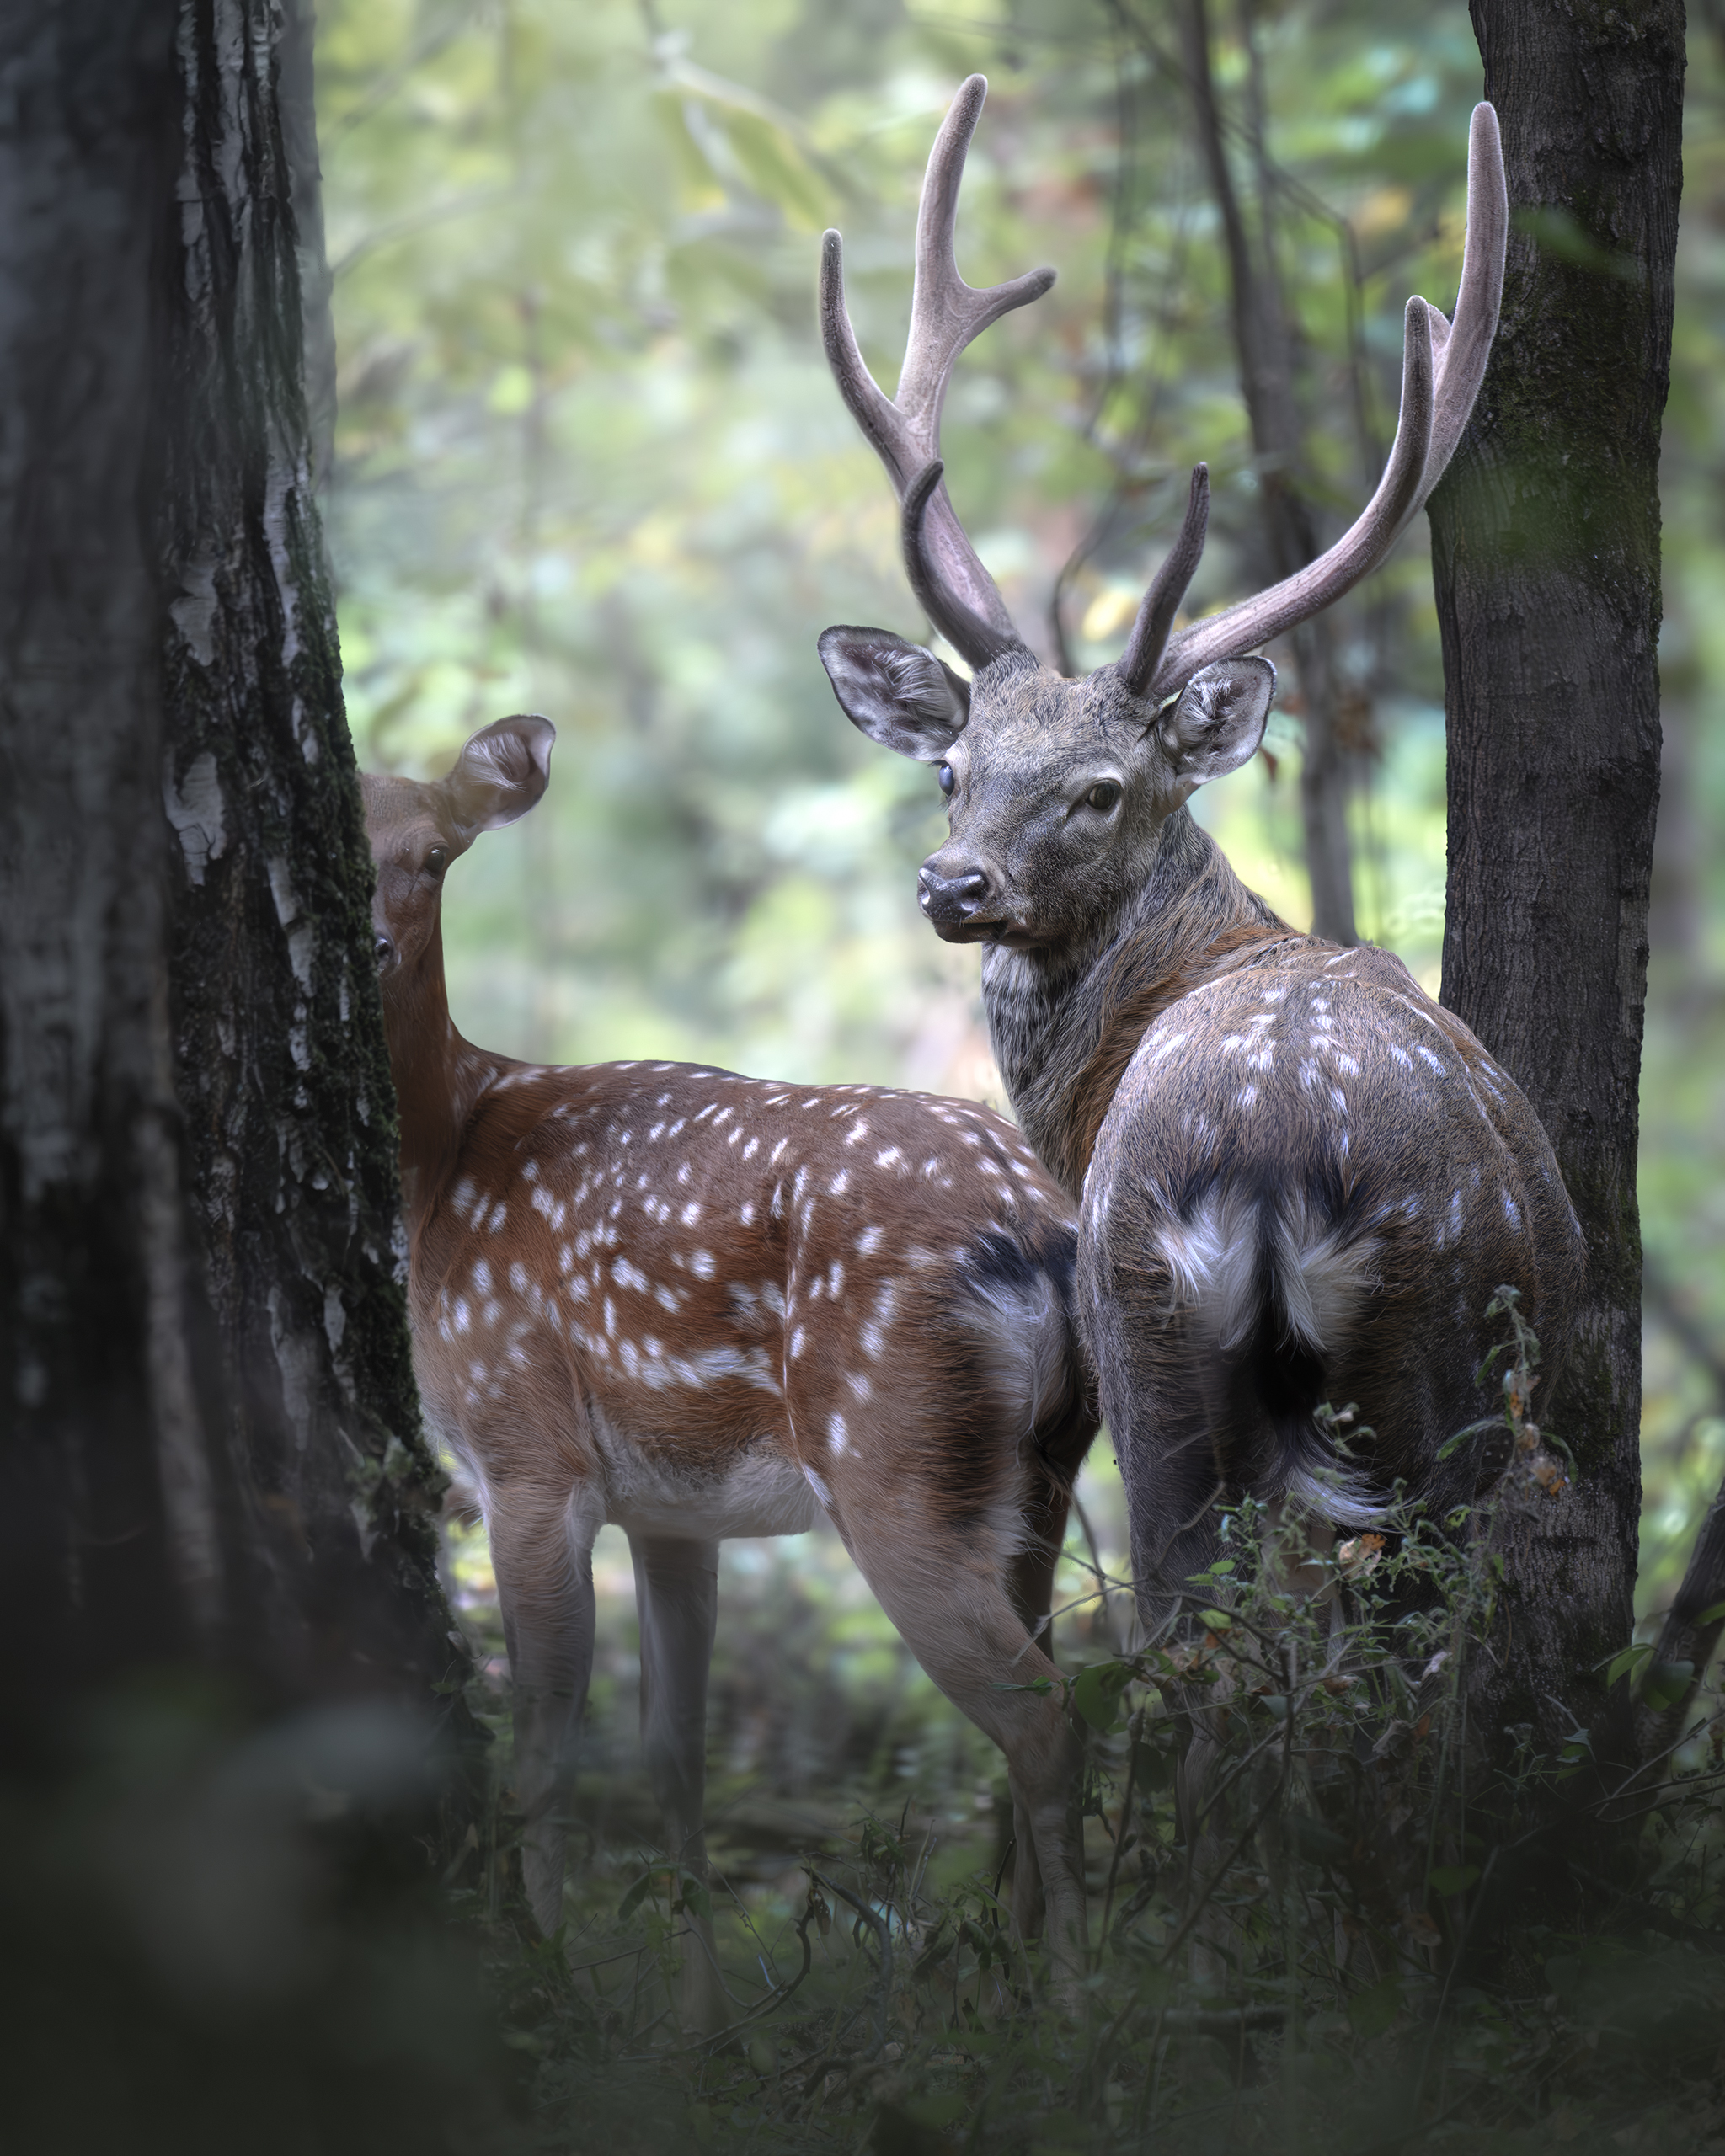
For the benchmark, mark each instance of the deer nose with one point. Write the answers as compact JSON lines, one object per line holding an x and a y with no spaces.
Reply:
{"x":948,"y":899}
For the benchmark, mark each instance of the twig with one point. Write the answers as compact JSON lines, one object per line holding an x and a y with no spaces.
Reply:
{"x":883,"y":1932}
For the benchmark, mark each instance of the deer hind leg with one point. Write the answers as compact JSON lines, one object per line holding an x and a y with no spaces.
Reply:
{"x":676,"y":1588}
{"x":1030,"y":1583}
{"x":541,"y":1549}
{"x":955,"y":1612}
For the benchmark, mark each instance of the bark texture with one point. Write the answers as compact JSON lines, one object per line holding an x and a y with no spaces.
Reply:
{"x":280,"y":1065}
{"x":108,"y":1531}
{"x":1545,"y":550}
{"x":209,"y":1428}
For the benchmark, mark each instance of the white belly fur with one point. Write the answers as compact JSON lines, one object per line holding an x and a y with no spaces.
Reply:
{"x":764,"y":1493}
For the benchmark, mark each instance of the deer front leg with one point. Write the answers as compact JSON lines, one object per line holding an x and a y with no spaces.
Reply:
{"x":542,"y":1550}
{"x":676,"y":1590}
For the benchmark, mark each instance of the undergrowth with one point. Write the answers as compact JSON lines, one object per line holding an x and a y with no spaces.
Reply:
{"x":1322,"y":1909}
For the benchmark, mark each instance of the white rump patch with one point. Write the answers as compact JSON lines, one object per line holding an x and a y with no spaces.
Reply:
{"x":1217,"y":1261}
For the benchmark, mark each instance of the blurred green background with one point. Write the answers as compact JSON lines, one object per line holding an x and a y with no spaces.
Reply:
{"x":590,"y":462}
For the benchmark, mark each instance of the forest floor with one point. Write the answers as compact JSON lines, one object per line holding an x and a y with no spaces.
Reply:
{"x":860,"y":1841}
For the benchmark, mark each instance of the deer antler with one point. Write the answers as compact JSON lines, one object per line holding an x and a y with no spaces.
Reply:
{"x":946,"y":315}
{"x":1443,"y":363}
{"x":1149,"y":639}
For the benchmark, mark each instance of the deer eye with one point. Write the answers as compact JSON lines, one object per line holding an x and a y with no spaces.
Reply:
{"x":1104,"y":795}
{"x":436,"y":861}
{"x":947,"y":781}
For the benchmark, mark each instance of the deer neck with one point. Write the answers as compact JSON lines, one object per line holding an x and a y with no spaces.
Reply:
{"x":1064,"y":1023}
{"x":438,"y":1075}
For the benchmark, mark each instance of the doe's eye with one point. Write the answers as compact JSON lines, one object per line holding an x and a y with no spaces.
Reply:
{"x":437,"y":860}
{"x":947,"y":781}
{"x":1104,"y":795}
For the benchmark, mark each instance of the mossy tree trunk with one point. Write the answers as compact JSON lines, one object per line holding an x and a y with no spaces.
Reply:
{"x":1545,"y":547}
{"x":210,"y":1432}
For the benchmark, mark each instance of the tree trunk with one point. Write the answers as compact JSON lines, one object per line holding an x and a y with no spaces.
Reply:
{"x":109,"y":1543}
{"x":1545,"y":551}
{"x":210,"y":1440}
{"x":281,"y":1068}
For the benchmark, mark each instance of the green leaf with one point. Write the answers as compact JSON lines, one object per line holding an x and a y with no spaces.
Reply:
{"x":1369,"y":2013}
{"x":1631,"y":1660}
{"x":1452,"y":1878}
{"x":1473,"y":1430}
{"x":637,"y":1894}
{"x":1096,"y":1691}
{"x":1666,"y":1683}
{"x":1215,"y":1620}
{"x":1712,"y":1615}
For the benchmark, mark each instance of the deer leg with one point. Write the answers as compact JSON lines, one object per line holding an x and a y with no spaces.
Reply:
{"x":1030,"y":1582}
{"x":541,"y":1548}
{"x":676,"y":1589}
{"x":960,"y":1623}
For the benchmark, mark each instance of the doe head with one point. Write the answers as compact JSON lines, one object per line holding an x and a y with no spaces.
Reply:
{"x":416,"y":827}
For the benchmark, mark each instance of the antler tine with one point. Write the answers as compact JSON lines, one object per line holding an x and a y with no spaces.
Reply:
{"x":946,"y":315}
{"x":980,"y":641}
{"x":1139,"y":661}
{"x":1463,"y":347}
{"x":1442,"y":366}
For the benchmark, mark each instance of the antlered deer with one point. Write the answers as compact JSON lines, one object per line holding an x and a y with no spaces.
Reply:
{"x":702,"y":1305}
{"x":1300,"y":1179}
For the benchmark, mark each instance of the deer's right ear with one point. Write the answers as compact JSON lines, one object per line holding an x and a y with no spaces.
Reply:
{"x":896,"y":693}
{"x":501,"y":773}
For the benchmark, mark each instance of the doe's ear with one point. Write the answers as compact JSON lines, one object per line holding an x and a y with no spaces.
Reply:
{"x":1219,"y":721}
{"x":896,"y":693}
{"x":501,"y":773}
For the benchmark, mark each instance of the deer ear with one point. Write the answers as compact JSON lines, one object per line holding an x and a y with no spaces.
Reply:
{"x":1219,"y":720}
{"x":896,"y":693}
{"x":501,"y":773}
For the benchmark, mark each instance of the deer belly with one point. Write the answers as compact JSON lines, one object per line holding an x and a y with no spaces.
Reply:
{"x":649,"y":1491}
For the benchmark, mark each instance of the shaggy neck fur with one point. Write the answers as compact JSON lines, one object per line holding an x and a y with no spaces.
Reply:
{"x":1064,"y":1023}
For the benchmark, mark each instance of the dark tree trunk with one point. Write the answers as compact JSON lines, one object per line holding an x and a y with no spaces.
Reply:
{"x":109,"y":1532}
{"x":210,"y":1435}
{"x":281,"y":1068}
{"x":1546,"y":549}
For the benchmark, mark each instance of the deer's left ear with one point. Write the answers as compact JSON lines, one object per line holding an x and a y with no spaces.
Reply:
{"x":895,"y":692}
{"x":1219,"y":721}
{"x":501,"y":773}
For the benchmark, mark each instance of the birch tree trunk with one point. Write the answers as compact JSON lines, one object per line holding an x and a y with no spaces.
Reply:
{"x":1545,"y":550}
{"x":210,"y":1435}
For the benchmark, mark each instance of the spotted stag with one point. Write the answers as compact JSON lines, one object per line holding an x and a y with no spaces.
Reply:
{"x":701,"y":1305}
{"x":1300,"y":1179}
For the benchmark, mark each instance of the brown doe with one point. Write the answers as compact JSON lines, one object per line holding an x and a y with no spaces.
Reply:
{"x":701,"y":1305}
{"x":1300,"y":1179}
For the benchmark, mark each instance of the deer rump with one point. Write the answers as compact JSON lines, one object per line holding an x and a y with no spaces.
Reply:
{"x":1240,"y":1269}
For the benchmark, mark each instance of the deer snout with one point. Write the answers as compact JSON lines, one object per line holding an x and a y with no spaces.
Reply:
{"x":950,"y":900}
